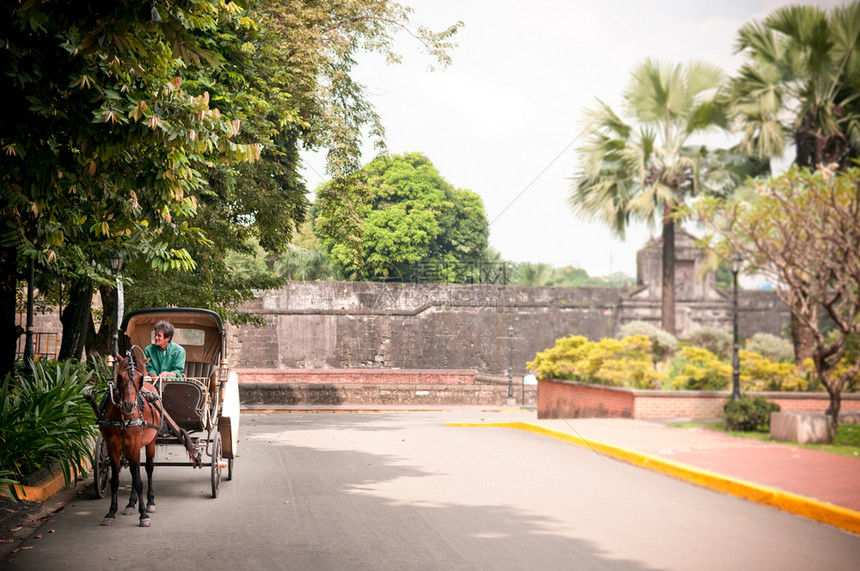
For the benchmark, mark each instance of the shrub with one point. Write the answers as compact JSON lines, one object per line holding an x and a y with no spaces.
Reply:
{"x":774,"y":348}
{"x":749,"y":414}
{"x":45,"y":421}
{"x":715,"y":340}
{"x":758,"y":373}
{"x":698,"y":369}
{"x":557,"y":362}
{"x":625,"y":362}
{"x":663,"y":344}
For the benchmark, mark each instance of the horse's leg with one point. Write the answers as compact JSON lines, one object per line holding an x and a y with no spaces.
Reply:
{"x":132,"y":453}
{"x":137,"y":484}
{"x":150,"y":464}
{"x":114,"y":486}
{"x":132,"y":497}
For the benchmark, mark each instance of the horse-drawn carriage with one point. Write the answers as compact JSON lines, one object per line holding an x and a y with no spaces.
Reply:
{"x":198,"y":410}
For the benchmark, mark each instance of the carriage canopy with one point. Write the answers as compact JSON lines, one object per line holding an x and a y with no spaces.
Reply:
{"x":199,"y":331}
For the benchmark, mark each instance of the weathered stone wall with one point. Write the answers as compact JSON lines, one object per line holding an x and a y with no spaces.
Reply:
{"x":318,"y":325}
{"x":416,"y":326}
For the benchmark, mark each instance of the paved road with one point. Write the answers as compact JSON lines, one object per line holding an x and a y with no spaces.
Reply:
{"x":401,"y":491}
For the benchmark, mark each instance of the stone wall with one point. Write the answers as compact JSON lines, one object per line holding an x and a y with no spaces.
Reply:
{"x":340,"y":325}
{"x":416,"y":326}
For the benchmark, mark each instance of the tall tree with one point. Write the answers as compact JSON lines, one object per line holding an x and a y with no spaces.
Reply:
{"x":100,"y":141}
{"x":416,"y":225}
{"x":802,"y":230}
{"x":122,"y":132}
{"x":644,"y":170}
{"x":800,"y":85}
{"x":286,"y":75}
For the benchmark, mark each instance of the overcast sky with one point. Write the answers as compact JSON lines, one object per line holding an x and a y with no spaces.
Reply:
{"x":504,"y":119}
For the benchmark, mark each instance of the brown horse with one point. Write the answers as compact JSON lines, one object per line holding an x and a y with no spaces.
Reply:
{"x":131,"y":421}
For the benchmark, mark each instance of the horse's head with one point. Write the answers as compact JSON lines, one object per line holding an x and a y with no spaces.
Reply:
{"x":129,"y":380}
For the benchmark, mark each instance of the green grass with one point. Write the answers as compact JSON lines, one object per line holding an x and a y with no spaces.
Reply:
{"x":846,"y":443}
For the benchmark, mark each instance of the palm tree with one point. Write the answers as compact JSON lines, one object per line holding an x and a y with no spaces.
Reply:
{"x":535,"y":274}
{"x":645,"y":171}
{"x":800,"y":82}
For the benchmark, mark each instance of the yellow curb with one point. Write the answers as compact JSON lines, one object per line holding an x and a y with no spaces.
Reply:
{"x":811,"y":508}
{"x":45,"y":490}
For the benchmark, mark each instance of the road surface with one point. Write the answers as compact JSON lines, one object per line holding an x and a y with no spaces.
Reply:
{"x":402,"y":491}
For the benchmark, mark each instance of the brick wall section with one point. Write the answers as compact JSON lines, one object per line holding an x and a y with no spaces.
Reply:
{"x":560,"y":399}
{"x":358,"y":376}
{"x":569,"y":399}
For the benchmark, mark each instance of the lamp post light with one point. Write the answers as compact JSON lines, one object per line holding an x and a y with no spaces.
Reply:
{"x":735,"y":262}
{"x":511,"y":401}
{"x":116,"y":263}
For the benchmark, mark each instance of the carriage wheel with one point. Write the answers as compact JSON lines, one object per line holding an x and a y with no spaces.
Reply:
{"x":216,"y":464}
{"x":101,"y":471}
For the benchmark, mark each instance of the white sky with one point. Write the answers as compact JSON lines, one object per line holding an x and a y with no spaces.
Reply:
{"x":513,"y":99}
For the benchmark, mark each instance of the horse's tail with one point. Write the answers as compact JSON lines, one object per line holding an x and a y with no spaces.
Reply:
{"x":189,"y":446}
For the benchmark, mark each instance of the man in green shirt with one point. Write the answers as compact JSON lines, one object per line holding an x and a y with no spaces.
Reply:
{"x":166,"y":358}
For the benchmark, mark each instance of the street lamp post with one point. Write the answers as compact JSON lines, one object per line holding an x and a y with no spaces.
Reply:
{"x":446,"y":347}
{"x":735,"y":262}
{"x":116,"y":263}
{"x":29,"y":352}
{"x":511,"y":401}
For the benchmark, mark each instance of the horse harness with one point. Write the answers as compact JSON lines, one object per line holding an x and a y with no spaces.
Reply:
{"x":143,"y":398}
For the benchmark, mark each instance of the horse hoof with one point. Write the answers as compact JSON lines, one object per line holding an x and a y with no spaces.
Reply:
{"x":129,"y":511}
{"x":150,"y":509}
{"x":145,"y":522}
{"x":108,"y":521}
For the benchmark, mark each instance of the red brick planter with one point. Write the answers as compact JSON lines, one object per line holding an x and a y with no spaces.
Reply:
{"x":570,"y":399}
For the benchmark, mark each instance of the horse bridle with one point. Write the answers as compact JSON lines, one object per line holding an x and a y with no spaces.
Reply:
{"x":113,"y":386}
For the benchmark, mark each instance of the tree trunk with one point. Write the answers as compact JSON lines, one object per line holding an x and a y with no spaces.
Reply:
{"x":804,"y":340}
{"x":101,"y":342}
{"x":835,"y":404}
{"x":8,"y":330}
{"x":76,"y":319}
{"x":668,"y":272}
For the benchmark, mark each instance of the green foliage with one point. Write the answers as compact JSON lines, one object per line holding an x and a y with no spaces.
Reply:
{"x":724,"y":277}
{"x":715,"y":340}
{"x":698,"y":369}
{"x":173,"y":135}
{"x":798,"y":85}
{"x":663,"y":344}
{"x":771,"y":346}
{"x":542,"y":274}
{"x":415,"y":225}
{"x":749,"y":414}
{"x":46,"y":420}
{"x":615,"y":362}
{"x":305,"y":265}
{"x":758,"y":373}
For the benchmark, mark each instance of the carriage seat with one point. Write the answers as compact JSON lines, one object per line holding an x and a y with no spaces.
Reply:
{"x":199,"y":369}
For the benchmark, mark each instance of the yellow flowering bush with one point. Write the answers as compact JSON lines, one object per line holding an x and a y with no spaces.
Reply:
{"x":616,"y":362}
{"x":558,"y":362}
{"x":758,"y":373}
{"x":698,"y":369}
